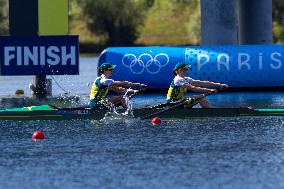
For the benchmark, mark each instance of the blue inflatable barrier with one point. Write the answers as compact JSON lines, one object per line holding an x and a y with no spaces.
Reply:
{"x":236,"y":65}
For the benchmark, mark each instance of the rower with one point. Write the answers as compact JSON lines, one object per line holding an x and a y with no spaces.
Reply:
{"x":181,"y":84}
{"x":103,"y":84}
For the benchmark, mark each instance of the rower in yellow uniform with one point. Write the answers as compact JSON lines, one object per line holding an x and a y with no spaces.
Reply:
{"x":181,"y":84}
{"x":103,"y":84}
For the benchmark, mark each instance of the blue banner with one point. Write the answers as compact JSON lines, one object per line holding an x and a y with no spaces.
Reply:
{"x":236,"y":65}
{"x":39,"y":55}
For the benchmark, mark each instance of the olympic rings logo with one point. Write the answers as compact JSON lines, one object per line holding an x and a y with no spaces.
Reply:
{"x":152,"y":65}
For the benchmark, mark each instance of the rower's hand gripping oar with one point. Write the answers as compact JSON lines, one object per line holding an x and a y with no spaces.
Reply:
{"x":188,"y":101}
{"x":133,"y":94}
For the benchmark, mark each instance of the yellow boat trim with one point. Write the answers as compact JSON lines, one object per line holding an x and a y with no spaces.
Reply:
{"x":29,"y":107}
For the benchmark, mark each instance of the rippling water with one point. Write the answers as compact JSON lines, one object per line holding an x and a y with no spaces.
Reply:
{"x":197,"y":153}
{"x":207,"y":153}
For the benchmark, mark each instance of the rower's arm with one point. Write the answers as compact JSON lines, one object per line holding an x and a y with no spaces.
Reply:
{"x":119,"y":90}
{"x":198,"y":89}
{"x":208,"y":83}
{"x":127,"y":84}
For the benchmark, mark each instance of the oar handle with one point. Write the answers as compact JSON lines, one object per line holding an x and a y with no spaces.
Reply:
{"x":223,"y":87}
{"x":134,"y":94}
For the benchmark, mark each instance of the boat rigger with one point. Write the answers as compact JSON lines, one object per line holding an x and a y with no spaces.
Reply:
{"x":47,"y":112}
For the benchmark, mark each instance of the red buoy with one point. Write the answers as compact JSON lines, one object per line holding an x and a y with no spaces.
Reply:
{"x":38,"y":135}
{"x":156,"y":121}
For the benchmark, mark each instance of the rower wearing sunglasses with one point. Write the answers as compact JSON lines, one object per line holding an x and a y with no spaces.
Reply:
{"x":181,"y":84}
{"x":103,"y":84}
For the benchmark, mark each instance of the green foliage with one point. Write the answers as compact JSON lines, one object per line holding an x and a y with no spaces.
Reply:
{"x":4,"y":27}
{"x":278,"y":21}
{"x":118,"y":19}
{"x":148,"y":22}
{"x":172,"y":22}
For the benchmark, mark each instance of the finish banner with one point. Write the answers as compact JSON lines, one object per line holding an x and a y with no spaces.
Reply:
{"x":236,"y":65}
{"x":39,"y":55}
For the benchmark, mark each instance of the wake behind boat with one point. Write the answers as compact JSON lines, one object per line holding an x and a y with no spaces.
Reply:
{"x":47,"y":112}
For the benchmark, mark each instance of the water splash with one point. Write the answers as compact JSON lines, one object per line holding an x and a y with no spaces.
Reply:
{"x":129,"y":110}
{"x":119,"y":115}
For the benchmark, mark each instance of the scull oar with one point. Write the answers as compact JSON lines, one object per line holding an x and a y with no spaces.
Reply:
{"x":191,"y":101}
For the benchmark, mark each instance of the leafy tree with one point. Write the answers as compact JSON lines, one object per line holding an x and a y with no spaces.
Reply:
{"x":118,"y":19}
{"x":4,"y":28}
{"x":172,"y":22}
{"x":278,"y":21}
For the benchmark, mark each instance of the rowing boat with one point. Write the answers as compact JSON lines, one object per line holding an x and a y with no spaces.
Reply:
{"x":47,"y":112}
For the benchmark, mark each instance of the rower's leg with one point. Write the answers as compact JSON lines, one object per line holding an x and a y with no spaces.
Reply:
{"x":205,"y":103}
{"x":118,"y":101}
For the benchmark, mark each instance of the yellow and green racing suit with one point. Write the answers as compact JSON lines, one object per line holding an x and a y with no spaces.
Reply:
{"x":175,"y":93}
{"x":98,"y":95}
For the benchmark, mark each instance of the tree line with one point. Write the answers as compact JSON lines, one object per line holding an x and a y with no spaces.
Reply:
{"x":136,"y":22}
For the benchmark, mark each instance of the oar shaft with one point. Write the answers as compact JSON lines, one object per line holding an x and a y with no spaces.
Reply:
{"x":162,"y":111}
{"x":163,"y":105}
{"x":196,"y":100}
